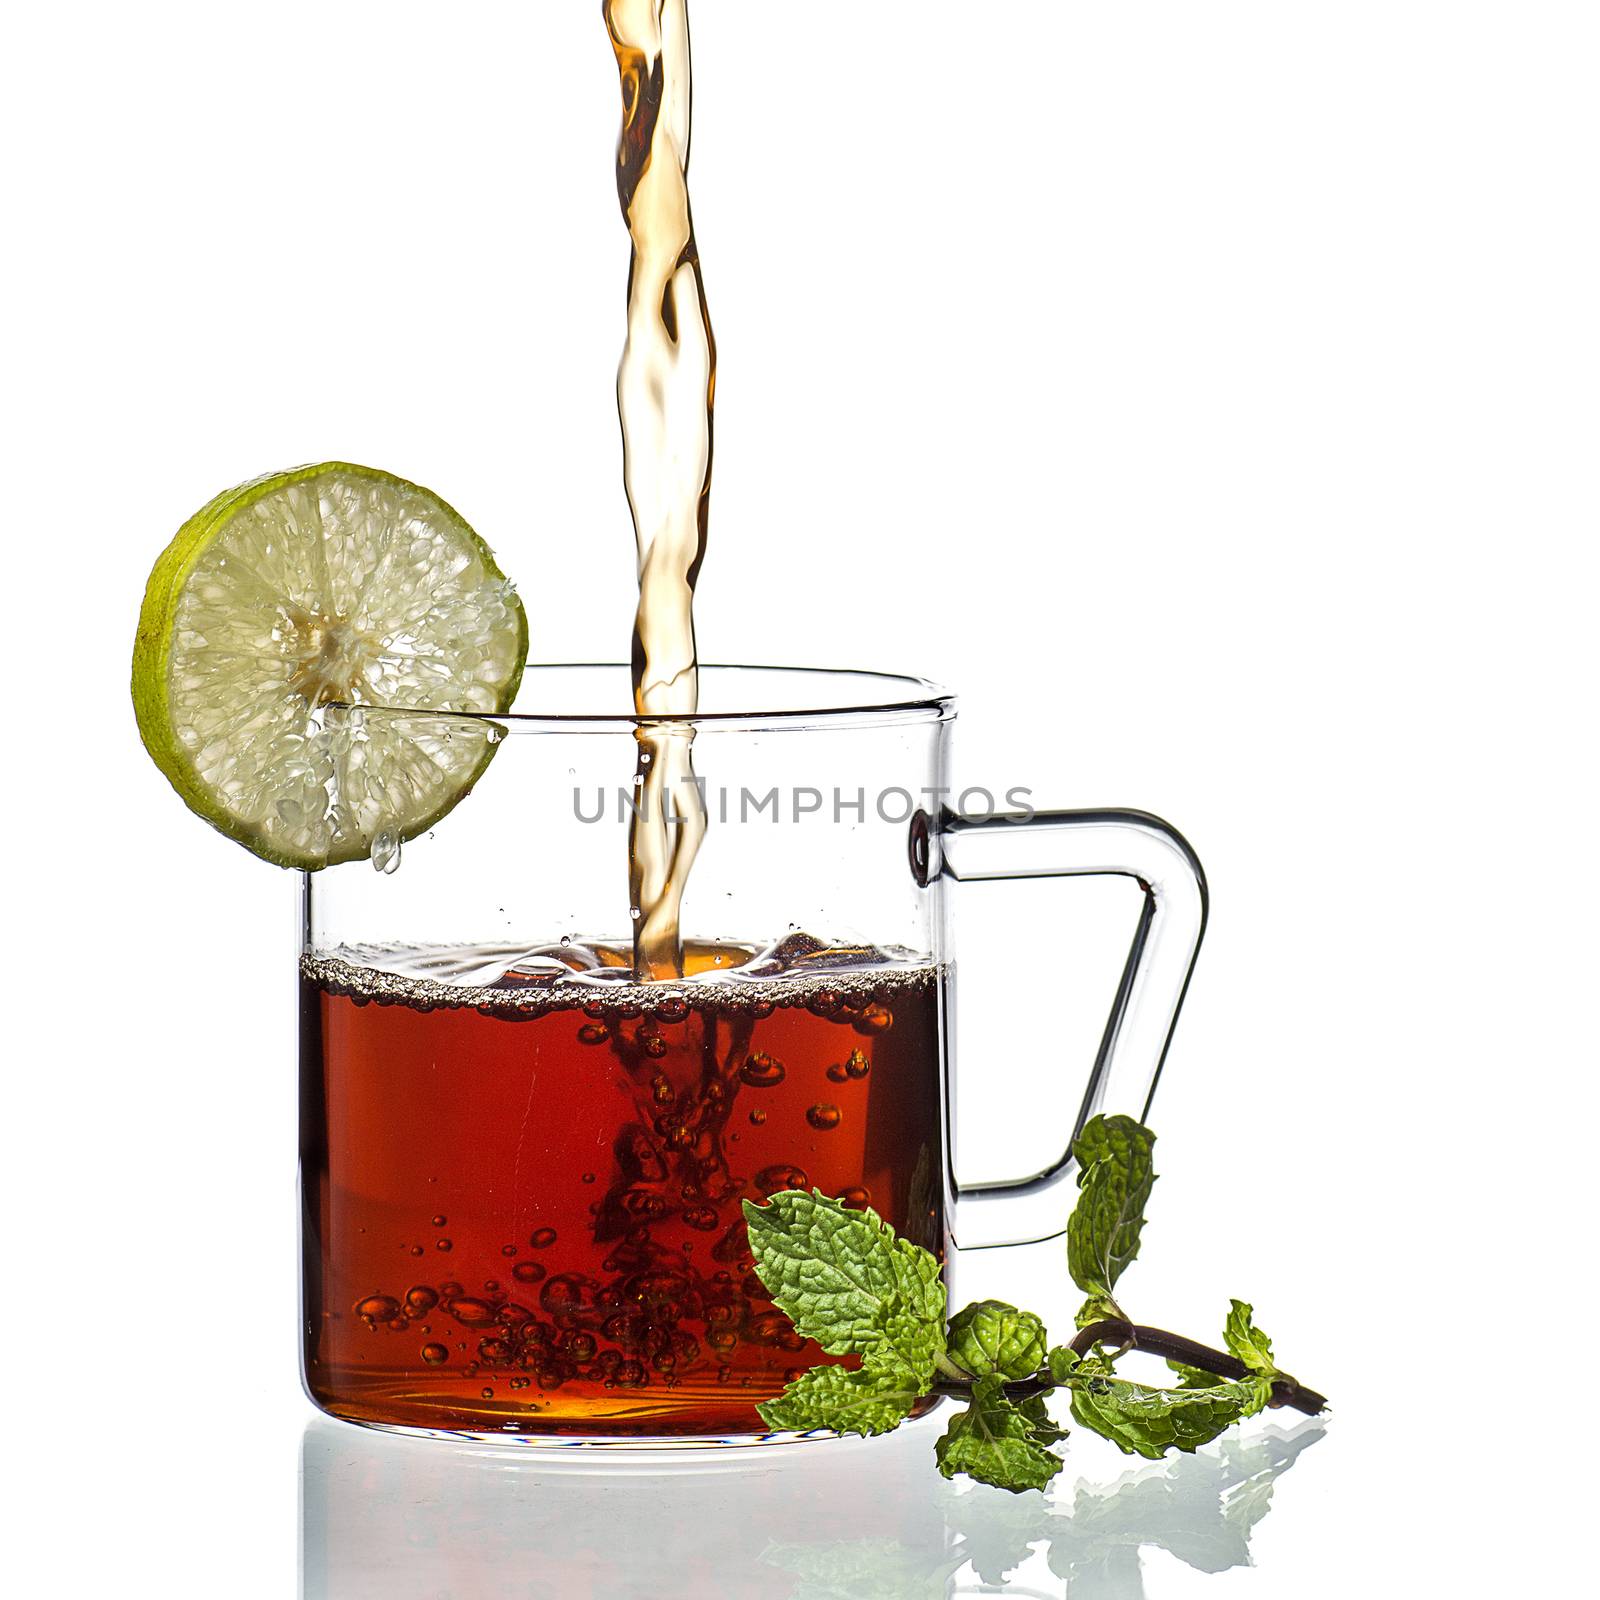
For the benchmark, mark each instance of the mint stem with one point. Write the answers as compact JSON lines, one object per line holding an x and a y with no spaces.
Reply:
{"x":1156,"y":1342}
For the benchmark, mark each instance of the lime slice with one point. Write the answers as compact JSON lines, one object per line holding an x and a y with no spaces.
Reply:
{"x":326,"y":586}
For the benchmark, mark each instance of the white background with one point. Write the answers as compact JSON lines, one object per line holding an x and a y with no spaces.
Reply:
{"x":1206,"y":392}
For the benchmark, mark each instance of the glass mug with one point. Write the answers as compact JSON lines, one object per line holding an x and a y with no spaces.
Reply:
{"x":522,"y":1171}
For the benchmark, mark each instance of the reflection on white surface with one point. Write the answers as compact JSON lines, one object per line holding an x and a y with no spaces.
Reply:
{"x":422,"y":1519}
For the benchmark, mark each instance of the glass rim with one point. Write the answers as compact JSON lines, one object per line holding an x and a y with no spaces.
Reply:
{"x":881,"y":698}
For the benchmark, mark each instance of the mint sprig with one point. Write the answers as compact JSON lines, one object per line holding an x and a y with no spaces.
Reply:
{"x":845,"y":1280}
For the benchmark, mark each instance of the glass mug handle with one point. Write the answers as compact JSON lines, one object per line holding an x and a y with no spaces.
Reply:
{"x":1071,"y":844}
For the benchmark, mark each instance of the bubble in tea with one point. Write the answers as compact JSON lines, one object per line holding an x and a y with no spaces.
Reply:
{"x":782,"y":1175}
{"x":762,"y":1071}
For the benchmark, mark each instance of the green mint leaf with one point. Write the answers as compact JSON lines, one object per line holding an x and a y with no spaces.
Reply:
{"x":1063,"y":1362}
{"x":845,"y":1280}
{"x":990,"y":1336}
{"x":1146,"y":1421}
{"x":1246,"y":1341}
{"x":874,"y":1400}
{"x":1195,"y":1377}
{"x":1097,"y":1308}
{"x":1043,"y":1424}
{"x":1114,"y":1180}
{"x":997,"y":1442}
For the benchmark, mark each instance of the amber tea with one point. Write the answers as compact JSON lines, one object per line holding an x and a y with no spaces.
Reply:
{"x":523,"y":1198}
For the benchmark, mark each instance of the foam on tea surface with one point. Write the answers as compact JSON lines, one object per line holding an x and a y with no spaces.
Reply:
{"x":516,"y":979}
